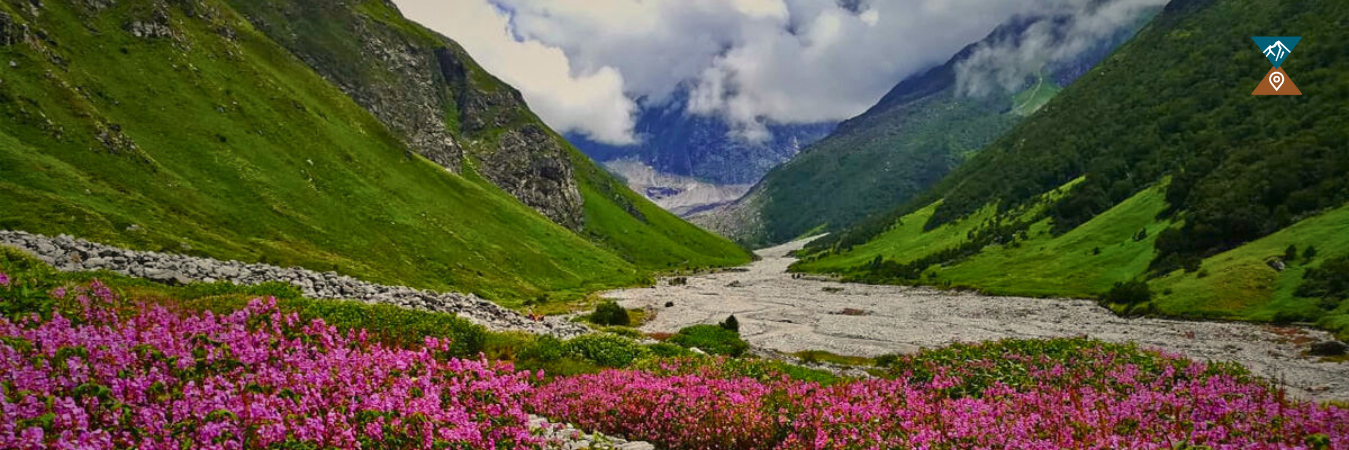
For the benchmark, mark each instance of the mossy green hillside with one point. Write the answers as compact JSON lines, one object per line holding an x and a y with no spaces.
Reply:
{"x":215,"y":141}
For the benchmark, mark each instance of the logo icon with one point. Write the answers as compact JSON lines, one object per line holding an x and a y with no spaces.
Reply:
{"x":1276,"y":49}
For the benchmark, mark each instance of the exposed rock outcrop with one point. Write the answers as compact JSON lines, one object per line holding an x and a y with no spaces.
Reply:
{"x":10,"y":32}
{"x":69,"y":254}
{"x":427,"y":90}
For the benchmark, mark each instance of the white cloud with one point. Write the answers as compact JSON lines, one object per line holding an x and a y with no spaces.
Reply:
{"x":1006,"y":64}
{"x":591,"y":102}
{"x":752,"y":62}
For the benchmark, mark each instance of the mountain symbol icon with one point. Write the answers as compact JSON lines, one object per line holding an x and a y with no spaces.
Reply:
{"x":1277,"y":48}
{"x":1277,"y":52}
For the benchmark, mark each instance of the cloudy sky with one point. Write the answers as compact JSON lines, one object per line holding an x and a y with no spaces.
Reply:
{"x":584,"y":65}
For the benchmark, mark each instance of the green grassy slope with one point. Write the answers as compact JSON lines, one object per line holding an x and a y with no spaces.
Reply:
{"x":645,"y":234}
{"x":1240,"y":283}
{"x":1163,"y":138}
{"x":242,"y":152}
{"x":479,"y":110}
{"x":876,"y":162}
{"x":1115,"y":246}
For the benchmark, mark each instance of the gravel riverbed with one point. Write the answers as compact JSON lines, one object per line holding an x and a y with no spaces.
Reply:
{"x":782,"y":313}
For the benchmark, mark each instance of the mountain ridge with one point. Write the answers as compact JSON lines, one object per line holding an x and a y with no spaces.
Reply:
{"x":909,"y":140}
{"x":180,"y":126}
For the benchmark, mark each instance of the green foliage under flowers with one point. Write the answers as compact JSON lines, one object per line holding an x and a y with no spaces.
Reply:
{"x":35,"y":282}
{"x":712,"y":339}
{"x":609,"y":313}
{"x":725,"y":367}
{"x":1014,"y":362}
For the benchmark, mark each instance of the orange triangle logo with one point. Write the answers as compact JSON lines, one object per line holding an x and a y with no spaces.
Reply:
{"x":1276,"y":82}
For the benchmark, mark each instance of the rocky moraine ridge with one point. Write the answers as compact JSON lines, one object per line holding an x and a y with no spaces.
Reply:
{"x":72,"y":255}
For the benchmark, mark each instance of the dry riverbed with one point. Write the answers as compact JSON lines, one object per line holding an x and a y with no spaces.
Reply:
{"x":788,"y":314}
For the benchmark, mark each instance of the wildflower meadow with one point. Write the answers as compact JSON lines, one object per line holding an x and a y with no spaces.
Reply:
{"x":93,"y":370}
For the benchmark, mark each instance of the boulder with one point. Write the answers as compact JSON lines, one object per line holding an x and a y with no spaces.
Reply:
{"x":1328,"y":348}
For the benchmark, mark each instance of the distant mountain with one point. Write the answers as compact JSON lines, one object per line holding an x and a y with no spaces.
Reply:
{"x":678,"y":194}
{"x":1156,"y":183}
{"x":924,"y":127}
{"x":676,"y":142}
{"x":333,"y":135}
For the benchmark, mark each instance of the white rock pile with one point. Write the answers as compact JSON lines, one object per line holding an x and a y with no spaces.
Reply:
{"x":70,"y":254}
{"x":567,"y":437}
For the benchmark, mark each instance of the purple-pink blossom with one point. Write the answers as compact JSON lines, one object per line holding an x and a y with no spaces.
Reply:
{"x":1101,"y":403}
{"x":121,"y":376}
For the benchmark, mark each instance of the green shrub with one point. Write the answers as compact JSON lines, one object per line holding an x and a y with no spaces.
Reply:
{"x":723,"y":367}
{"x":731,"y":324}
{"x":712,"y":339}
{"x":1129,"y":293}
{"x":1330,"y":282}
{"x":627,"y":332}
{"x":544,"y":348}
{"x":887,"y":360}
{"x":609,"y":313}
{"x":605,"y":349}
{"x":1291,"y":317}
{"x":668,"y":350}
{"x":1290,"y":254}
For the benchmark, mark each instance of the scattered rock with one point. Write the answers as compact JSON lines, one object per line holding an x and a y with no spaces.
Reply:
{"x":669,"y":304}
{"x":1328,"y":348}
{"x":565,"y":436}
{"x":156,"y":27}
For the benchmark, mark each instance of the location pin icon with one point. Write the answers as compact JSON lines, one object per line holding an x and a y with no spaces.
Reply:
{"x":1276,"y":80}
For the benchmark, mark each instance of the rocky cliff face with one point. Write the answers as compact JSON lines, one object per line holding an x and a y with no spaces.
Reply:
{"x":426,"y":90}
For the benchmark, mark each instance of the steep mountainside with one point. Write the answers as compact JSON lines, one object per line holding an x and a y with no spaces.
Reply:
{"x":1158,"y":170}
{"x":914,"y":136}
{"x":202,"y":127}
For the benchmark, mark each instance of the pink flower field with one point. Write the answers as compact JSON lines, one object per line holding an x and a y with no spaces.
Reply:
{"x":107,"y":375}
{"x":100,"y":372}
{"x":1102,"y":403}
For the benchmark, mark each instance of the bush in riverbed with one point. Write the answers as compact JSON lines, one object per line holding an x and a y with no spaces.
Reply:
{"x":731,"y":323}
{"x":1128,"y":293}
{"x":609,"y":313}
{"x":712,"y":339}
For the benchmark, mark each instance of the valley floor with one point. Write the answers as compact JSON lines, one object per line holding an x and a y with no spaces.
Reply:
{"x":779,"y":312}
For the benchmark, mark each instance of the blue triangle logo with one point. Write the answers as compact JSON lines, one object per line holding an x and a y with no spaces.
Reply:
{"x":1276,"y":48}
